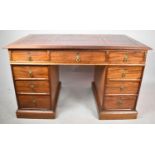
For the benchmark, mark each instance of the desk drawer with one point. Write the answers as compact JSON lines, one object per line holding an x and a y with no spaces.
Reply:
{"x":134,"y":72}
{"x":34,"y":101}
{"x":130,"y":87}
{"x":21,"y":72}
{"x":32,"y":86}
{"x":30,"y":55}
{"x":78,"y":56}
{"x":119,"y":102}
{"x":127,"y":57}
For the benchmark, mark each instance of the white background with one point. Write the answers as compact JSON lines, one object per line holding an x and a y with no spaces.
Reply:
{"x":81,"y":15}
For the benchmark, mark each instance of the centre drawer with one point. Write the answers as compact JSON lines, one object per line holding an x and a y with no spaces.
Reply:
{"x":34,"y":102}
{"x":121,"y":87}
{"x":21,"y":72}
{"x":32,"y":86}
{"x":134,"y":72}
{"x":119,"y":102}
{"x":29,"y":55}
{"x":78,"y":56}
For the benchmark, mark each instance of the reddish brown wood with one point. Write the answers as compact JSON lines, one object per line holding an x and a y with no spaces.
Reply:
{"x":30,"y":72}
{"x":99,"y":82}
{"x":122,"y":87}
{"x":77,"y":42}
{"x":35,"y":114}
{"x":134,"y":72}
{"x":119,"y":102}
{"x":112,"y":114}
{"x":78,"y":56}
{"x":30,"y":55}
{"x":34,"y":101}
{"x":32,"y":87}
{"x":115,"y":115}
{"x":126,"y":57}
{"x":55,"y":84}
{"x":119,"y":63}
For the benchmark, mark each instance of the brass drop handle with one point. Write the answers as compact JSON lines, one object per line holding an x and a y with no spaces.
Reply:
{"x":30,"y":73}
{"x":30,"y":58}
{"x":122,"y":88}
{"x":34,"y":101}
{"x":119,"y":102}
{"x":77,"y":57}
{"x":125,"y":58}
{"x":123,"y":74}
{"x":32,"y":86}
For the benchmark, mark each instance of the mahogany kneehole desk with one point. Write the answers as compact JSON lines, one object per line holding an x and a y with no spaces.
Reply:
{"x":119,"y":66}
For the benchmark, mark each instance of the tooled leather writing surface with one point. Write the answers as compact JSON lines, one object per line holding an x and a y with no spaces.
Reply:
{"x":48,"y":41}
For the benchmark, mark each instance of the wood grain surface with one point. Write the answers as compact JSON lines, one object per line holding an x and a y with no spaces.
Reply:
{"x":134,"y":72}
{"x":119,"y":102}
{"x":121,"y":87}
{"x":29,"y":55}
{"x":30,"y":72}
{"x":34,"y":101}
{"x":78,"y":56}
{"x":126,"y":57}
{"x":32,"y":86}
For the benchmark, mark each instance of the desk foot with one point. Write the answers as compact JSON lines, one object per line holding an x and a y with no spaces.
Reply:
{"x":117,"y":115}
{"x":112,"y":114}
{"x":35,"y":114}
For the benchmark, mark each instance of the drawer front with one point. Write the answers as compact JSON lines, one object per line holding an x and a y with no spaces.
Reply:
{"x":34,"y":102}
{"x":20,"y":72}
{"x":78,"y":57}
{"x":30,"y":56}
{"x":119,"y":102}
{"x":114,"y":87}
{"x":125,"y":72}
{"x":127,"y":57}
{"x":32,"y":86}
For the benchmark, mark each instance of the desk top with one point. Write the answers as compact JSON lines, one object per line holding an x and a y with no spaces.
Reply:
{"x":49,"y":41}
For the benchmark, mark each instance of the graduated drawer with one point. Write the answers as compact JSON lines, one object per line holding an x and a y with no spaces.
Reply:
{"x":134,"y":72}
{"x":121,"y":87}
{"x":78,"y":56}
{"x":34,"y":101}
{"x":119,"y":102}
{"x":32,"y":86}
{"x":24,"y":72}
{"x":29,"y":55}
{"x":127,"y":57}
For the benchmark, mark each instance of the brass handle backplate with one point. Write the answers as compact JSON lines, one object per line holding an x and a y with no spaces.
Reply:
{"x":125,"y":58}
{"x":34,"y":101}
{"x":32,"y":86}
{"x":122,"y":88}
{"x":123,"y":75}
{"x":30,"y":73}
{"x":119,"y":102}
{"x":30,"y":58}
{"x":77,"y":59}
